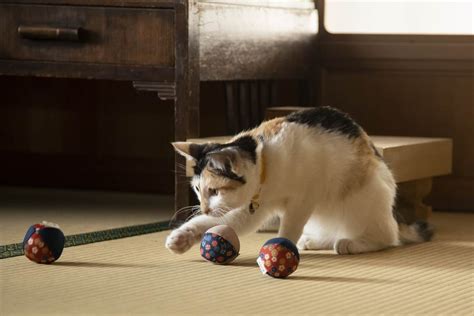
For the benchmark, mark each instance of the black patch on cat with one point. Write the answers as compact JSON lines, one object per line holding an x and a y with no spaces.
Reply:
{"x":199,"y":151}
{"x":228,"y":173}
{"x":424,"y":230}
{"x":201,"y":159}
{"x":328,"y":118}
{"x":245,"y":143}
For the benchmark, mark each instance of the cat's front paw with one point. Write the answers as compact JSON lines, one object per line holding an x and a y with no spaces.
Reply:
{"x":308,"y":242}
{"x":180,"y":240}
{"x":301,"y":244}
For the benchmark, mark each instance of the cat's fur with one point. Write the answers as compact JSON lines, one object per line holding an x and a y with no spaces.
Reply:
{"x":316,"y":169}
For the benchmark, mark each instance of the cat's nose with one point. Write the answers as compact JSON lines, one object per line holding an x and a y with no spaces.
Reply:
{"x":207,"y":211}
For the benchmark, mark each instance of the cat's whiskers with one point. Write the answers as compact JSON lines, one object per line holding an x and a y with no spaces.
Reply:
{"x":180,"y":170}
{"x":195,"y":212}
{"x":191,"y":208}
{"x":181,"y":165}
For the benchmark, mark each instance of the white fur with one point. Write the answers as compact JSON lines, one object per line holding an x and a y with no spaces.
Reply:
{"x":307,"y":169}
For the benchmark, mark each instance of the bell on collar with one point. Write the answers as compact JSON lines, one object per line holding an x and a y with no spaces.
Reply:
{"x":253,"y":207}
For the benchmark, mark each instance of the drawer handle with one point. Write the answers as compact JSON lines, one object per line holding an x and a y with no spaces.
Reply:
{"x":49,"y":33}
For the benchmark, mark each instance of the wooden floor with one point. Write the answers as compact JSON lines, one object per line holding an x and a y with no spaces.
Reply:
{"x":138,"y":275}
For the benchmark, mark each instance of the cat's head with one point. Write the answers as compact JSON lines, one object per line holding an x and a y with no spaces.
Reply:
{"x":226,"y":176}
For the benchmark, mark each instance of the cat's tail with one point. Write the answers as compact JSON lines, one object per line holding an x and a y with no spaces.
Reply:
{"x":419,"y":231}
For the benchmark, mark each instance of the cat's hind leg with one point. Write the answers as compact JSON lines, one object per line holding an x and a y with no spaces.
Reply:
{"x":346,"y":246}
{"x":379,"y":234}
{"x":368,"y":223}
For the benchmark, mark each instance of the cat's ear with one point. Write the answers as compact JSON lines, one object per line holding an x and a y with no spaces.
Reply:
{"x":192,"y":151}
{"x":184,"y":149}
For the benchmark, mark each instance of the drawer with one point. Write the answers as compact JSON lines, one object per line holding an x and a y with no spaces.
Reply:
{"x":87,"y":34}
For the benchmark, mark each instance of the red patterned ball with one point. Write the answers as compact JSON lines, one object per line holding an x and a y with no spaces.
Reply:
{"x":43,"y":243}
{"x":278,"y":258}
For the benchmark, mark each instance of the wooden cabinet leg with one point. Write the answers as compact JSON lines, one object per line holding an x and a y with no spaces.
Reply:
{"x":186,"y":114}
{"x":409,"y":205}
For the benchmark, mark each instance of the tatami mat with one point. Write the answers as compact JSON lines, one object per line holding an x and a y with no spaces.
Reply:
{"x":77,"y":211}
{"x":136,"y":275}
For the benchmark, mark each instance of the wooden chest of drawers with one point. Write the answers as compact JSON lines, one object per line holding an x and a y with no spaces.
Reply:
{"x":87,"y":34}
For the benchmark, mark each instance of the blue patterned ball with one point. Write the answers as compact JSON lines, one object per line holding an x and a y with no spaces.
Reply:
{"x":220,"y":245}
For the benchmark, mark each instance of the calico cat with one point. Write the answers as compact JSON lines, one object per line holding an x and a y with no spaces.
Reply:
{"x":316,"y":169}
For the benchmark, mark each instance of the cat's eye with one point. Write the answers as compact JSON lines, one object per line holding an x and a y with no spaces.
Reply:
{"x":212,"y":192}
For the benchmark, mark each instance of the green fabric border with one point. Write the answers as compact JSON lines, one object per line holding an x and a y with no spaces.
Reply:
{"x":14,"y":250}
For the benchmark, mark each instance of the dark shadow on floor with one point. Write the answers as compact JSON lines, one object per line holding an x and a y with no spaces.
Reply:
{"x":237,"y":263}
{"x":339,"y":279}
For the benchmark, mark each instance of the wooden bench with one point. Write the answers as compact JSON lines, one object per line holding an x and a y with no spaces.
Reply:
{"x":414,"y":162}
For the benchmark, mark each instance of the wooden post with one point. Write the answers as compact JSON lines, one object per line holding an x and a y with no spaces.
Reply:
{"x":410,"y":195}
{"x":187,"y":92}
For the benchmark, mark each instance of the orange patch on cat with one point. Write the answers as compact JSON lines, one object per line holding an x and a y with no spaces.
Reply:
{"x":269,"y":128}
{"x":364,"y":165}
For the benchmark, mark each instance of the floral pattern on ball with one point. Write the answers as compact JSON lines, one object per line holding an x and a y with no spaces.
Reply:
{"x":216,"y":249}
{"x":278,"y":258}
{"x":43,"y":244}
